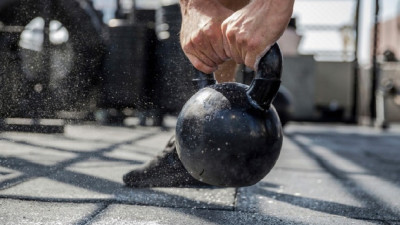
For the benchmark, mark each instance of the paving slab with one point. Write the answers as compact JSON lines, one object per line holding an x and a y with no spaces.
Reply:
{"x":18,"y":212}
{"x":96,"y":175}
{"x":33,"y":154}
{"x":45,"y":189}
{"x":314,"y":195}
{"x":9,"y":176}
{"x":6,"y":174}
{"x":126,"y":214}
{"x":292,"y":158}
{"x":291,"y":190}
{"x":367,"y":161}
{"x":326,"y":174}
{"x":376,"y":180}
{"x":41,"y":155}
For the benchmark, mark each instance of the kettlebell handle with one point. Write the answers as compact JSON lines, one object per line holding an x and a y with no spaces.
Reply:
{"x":203,"y":80}
{"x":264,"y":86}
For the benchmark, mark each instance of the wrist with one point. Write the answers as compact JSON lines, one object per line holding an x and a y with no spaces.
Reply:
{"x":280,"y":5}
{"x":260,"y":3}
{"x":186,"y":4}
{"x":212,"y":8}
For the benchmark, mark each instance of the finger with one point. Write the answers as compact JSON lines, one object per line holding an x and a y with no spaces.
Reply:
{"x":246,"y":46}
{"x":252,"y":59}
{"x":213,"y":37}
{"x":225,"y":41}
{"x":219,"y":50}
{"x":203,"y":52}
{"x":199,"y":65}
{"x":211,"y":53}
{"x":218,"y":46}
{"x":235,"y":53}
{"x":227,"y":48}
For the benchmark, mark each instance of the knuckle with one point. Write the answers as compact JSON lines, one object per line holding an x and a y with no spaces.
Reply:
{"x":210,"y":33}
{"x":196,"y":40}
{"x":214,"y":56}
{"x":197,"y":64}
{"x":253,"y":44}
{"x":210,"y":62}
{"x":224,"y":26}
{"x":204,"y":69}
{"x":230,"y":34}
{"x":207,"y":70}
{"x":244,"y":39}
{"x":241,"y":40}
{"x":186,"y":48}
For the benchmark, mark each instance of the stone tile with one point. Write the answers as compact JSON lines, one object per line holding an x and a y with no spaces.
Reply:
{"x":375,"y":154}
{"x":33,"y":154}
{"x":288,"y":194}
{"x":142,"y":215}
{"x":134,"y":152}
{"x":107,"y":134}
{"x":343,"y":162}
{"x":385,"y":193}
{"x":8,"y":174}
{"x":179,"y":197}
{"x":95,"y":168}
{"x":46,"y":188}
{"x":376,"y":179}
{"x":74,"y":186}
{"x":325,"y":175}
{"x":16,"y":212}
{"x":157,"y":141}
{"x":106,"y":177}
{"x":75,"y":139}
{"x":293,"y":159}
{"x":357,"y":158}
{"x":61,"y":142}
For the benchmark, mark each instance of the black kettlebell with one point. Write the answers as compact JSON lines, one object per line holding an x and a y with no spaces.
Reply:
{"x":229,"y":134}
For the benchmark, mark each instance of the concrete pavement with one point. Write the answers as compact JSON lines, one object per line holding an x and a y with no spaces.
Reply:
{"x":326,"y":174}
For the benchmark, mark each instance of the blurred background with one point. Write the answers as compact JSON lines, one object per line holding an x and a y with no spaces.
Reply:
{"x":115,"y":61}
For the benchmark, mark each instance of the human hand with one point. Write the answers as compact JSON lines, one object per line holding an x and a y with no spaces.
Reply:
{"x":251,"y":31}
{"x":201,"y":37}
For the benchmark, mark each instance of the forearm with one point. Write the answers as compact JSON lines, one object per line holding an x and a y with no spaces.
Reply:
{"x":277,"y":11}
{"x":201,"y":5}
{"x":250,"y":32}
{"x":229,"y":4}
{"x":201,"y":36}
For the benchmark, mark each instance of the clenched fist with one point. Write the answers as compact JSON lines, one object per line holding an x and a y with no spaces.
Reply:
{"x":201,"y":35}
{"x":250,"y":32}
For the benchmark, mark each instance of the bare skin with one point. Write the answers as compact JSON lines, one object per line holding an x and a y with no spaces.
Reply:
{"x":215,"y":31}
{"x":251,"y":31}
{"x":201,"y":35}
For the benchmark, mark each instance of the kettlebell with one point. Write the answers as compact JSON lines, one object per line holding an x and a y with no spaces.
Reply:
{"x":229,"y":134}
